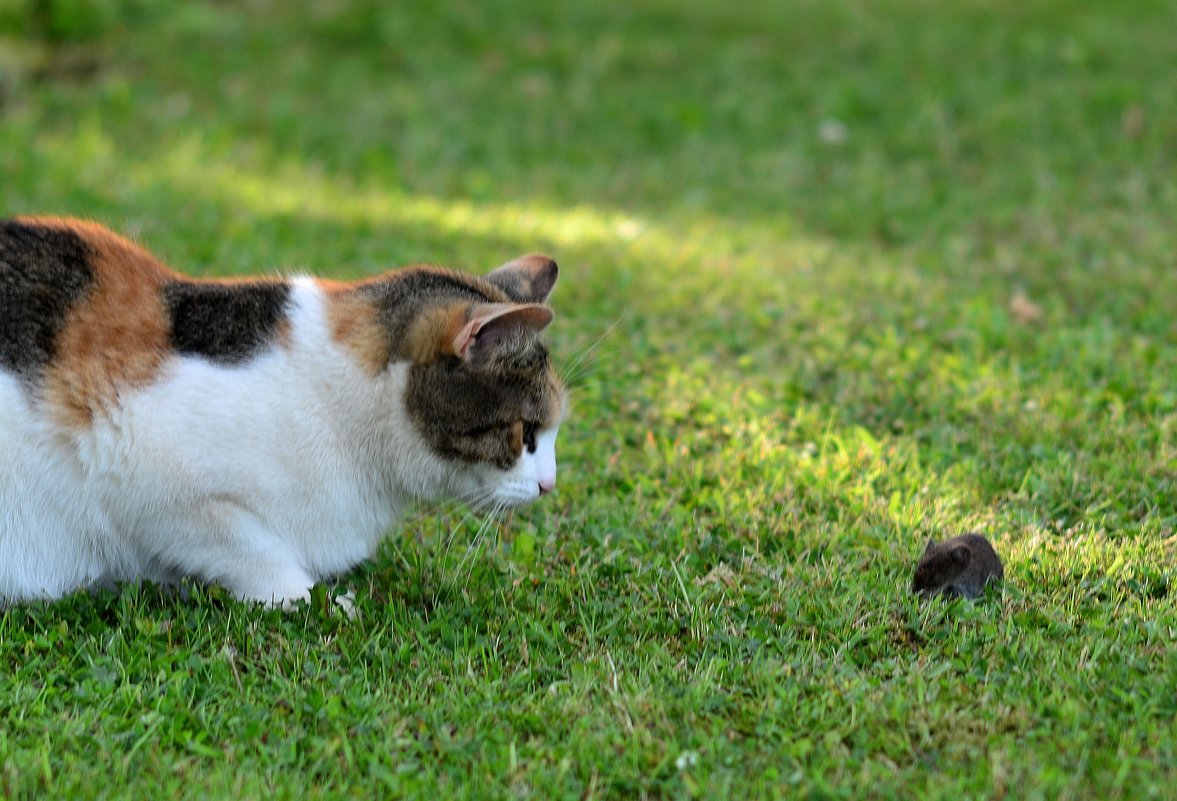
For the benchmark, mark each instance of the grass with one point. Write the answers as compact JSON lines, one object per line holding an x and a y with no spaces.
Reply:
{"x":861,"y":273}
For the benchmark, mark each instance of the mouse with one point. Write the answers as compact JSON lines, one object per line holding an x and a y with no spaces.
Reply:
{"x":958,"y":567}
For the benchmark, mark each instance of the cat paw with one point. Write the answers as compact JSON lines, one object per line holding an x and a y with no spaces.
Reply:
{"x":347,"y":602}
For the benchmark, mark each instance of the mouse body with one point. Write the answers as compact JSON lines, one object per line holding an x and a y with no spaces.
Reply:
{"x":960,"y":566}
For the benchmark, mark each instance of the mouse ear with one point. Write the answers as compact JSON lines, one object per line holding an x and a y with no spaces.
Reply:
{"x":961,"y":555}
{"x":931,"y":544}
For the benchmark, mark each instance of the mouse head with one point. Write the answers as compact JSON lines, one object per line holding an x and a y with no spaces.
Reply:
{"x":939,"y":566}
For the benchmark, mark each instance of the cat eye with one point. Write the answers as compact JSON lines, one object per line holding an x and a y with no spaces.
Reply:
{"x":529,"y":430}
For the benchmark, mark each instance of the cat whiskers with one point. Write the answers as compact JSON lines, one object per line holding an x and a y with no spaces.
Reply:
{"x":476,"y":504}
{"x":472,"y":502}
{"x":475,"y":546}
{"x":479,"y":504}
{"x":576,"y":370}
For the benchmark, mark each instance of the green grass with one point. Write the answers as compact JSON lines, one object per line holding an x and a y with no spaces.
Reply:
{"x":810,"y":359}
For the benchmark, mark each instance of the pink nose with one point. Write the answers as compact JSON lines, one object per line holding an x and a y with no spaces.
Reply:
{"x":546,"y":486}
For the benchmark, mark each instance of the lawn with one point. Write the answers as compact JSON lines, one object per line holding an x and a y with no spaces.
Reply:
{"x":836,"y":277}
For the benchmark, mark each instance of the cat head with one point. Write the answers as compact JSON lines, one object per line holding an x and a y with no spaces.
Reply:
{"x":482,"y":390}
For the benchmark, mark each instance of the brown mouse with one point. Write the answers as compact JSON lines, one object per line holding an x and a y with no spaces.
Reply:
{"x":961,"y":566}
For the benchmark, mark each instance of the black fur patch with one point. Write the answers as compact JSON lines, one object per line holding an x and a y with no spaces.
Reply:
{"x":44,"y":271}
{"x":225,"y":323}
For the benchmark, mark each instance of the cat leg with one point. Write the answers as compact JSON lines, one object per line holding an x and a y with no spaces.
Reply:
{"x":226,"y":544}
{"x":281,"y":583}
{"x":272,"y":583}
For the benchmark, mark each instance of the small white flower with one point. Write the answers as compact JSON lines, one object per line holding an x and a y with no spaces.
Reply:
{"x":832,"y":131}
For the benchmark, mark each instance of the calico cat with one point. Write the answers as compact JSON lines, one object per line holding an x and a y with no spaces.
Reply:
{"x":262,"y":434}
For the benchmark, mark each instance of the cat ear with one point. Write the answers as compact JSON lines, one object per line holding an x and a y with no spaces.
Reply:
{"x":491,"y":323}
{"x":931,"y":544}
{"x":961,"y":555}
{"x":527,"y":279}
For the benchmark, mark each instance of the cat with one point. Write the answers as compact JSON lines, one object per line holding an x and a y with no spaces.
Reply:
{"x":262,"y":434}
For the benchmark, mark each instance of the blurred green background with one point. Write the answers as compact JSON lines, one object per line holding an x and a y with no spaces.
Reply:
{"x":836,"y":277}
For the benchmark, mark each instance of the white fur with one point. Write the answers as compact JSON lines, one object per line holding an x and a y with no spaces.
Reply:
{"x":265,"y":477}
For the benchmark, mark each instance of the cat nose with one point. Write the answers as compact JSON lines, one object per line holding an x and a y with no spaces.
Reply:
{"x":546,"y":485}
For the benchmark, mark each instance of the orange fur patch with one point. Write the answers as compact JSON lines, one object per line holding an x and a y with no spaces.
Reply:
{"x":556,"y":399}
{"x":433,"y":333}
{"x":117,"y":337}
{"x":353,"y":323}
